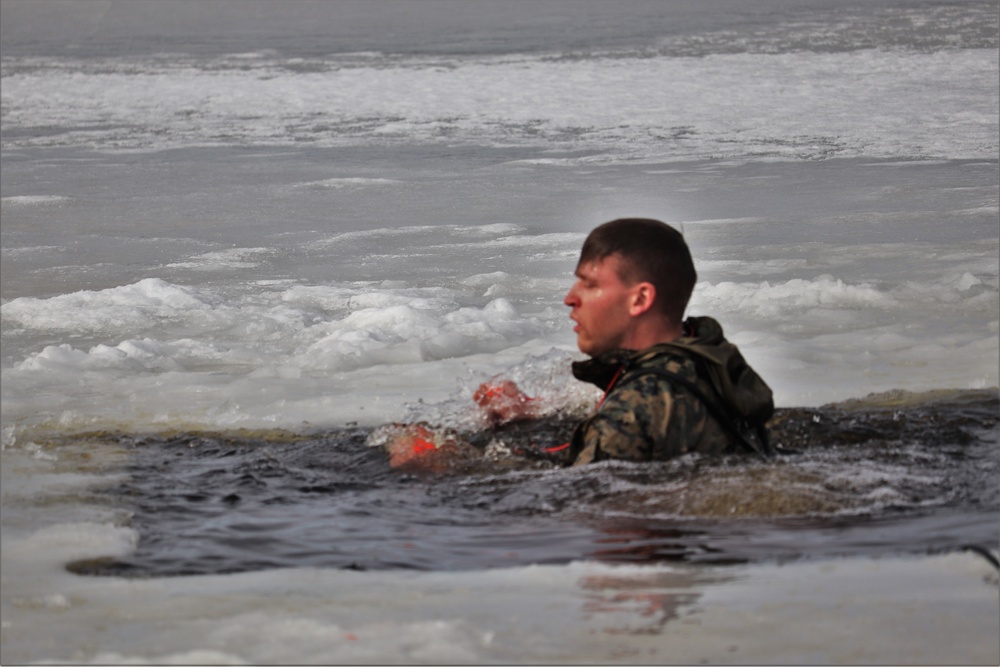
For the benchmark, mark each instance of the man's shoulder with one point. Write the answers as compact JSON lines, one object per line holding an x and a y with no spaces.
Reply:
{"x":655,"y":378}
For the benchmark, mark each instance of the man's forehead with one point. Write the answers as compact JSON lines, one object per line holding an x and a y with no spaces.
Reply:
{"x":588,"y":267}
{"x":592,"y":268}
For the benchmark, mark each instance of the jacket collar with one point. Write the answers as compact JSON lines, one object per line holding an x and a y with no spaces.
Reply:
{"x":601,"y":370}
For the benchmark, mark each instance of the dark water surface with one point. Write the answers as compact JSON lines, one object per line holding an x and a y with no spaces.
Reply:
{"x":893,"y":474}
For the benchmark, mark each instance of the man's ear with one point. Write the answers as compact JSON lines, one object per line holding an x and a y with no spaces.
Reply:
{"x":642,"y":296}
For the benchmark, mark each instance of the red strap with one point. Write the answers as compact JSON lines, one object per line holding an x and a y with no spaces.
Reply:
{"x":611,"y":386}
{"x":559,"y":448}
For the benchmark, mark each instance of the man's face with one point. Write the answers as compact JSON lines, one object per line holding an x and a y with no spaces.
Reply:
{"x":600,"y":306}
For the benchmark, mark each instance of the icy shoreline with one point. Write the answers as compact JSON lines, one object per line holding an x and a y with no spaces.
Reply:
{"x":930,"y":610}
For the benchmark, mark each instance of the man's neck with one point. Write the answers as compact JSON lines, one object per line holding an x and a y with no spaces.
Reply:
{"x":647,"y":332}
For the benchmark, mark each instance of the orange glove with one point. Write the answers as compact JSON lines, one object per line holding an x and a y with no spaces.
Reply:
{"x":503,"y":401}
{"x":413,"y":441}
{"x":419,"y":448}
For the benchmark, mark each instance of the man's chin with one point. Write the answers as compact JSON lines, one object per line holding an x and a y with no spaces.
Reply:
{"x":588,"y":348}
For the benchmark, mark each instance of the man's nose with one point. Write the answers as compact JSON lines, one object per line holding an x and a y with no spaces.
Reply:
{"x":571,"y":299}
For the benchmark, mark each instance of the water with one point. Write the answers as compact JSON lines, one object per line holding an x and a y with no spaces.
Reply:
{"x":894,"y":477}
{"x":237,"y":242}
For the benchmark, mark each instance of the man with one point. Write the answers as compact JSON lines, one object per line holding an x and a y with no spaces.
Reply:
{"x":672,"y":386}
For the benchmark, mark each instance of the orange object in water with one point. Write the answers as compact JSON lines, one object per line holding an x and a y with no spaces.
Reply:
{"x":420,"y":445}
{"x":503,"y":390}
{"x":503,"y":401}
{"x":410,"y":442}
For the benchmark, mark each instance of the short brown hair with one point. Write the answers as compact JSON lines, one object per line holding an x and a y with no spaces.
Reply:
{"x":651,"y":251}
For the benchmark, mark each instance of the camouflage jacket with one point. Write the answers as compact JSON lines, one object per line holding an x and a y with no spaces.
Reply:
{"x":646,"y":415}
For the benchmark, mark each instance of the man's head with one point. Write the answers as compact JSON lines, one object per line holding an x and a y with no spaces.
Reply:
{"x":634,"y":280}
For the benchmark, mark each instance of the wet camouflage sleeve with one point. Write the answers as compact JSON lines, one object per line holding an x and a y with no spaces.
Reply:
{"x":648,"y":419}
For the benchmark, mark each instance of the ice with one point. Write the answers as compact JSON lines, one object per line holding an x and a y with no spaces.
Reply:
{"x":581,"y":612}
{"x":243,"y":352}
{"x":237,"y":258}
{"x":349,"y":182}
{"x":120,"y":308}
{"x":792,"y":105}
{"x":31,"y":200}
{"x":74,"y":541}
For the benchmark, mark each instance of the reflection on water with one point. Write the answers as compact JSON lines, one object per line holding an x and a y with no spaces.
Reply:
{"x":891,"y":474}
{"x":643,"y":603}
